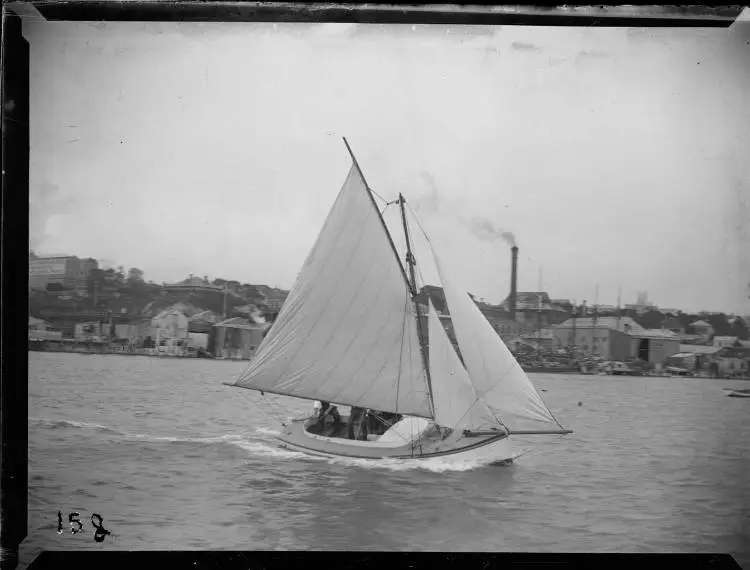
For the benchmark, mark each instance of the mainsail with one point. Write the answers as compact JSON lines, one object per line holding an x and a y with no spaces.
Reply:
{"x":347,"y":332}
{"x":455,"y":399}
{"x":496,"y":375}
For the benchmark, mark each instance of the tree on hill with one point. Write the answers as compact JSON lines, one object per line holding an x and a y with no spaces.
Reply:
{"x":650,"y":320}
{"x":686,"y":319}
{"x":739,"y":329}
{"x":720,"y":324}
{"x":135,"y":275}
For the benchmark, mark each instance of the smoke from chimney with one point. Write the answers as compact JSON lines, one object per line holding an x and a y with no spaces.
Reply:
{"x":485,"y":230}
{"x":513,"y":280}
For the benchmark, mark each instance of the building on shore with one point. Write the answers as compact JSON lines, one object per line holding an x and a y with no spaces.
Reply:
{"x":67,"y":271}
{"x":42,"y":330}
{"x":192,"y":284}
{"x":653,"y":346}
{"x":199,"y":328}
{"x":722,"y":341}
{"x":613,"y":338}
{"x":730,"y":361}
{"x":597,"y":336}
{"x":702,"y":328}
{"x":535,"y":309}
{"x":236,"y":338}
{"x":170,"y":323}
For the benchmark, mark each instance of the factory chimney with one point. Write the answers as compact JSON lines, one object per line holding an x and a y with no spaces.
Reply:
{"x":513,"y":281}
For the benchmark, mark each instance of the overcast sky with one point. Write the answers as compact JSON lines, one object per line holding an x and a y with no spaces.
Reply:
{"x":617,"y":157}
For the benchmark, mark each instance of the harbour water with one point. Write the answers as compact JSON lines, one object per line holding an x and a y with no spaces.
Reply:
{"x":173,"y":459}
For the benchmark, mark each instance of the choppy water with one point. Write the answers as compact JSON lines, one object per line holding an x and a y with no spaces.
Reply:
{"x":173,"y":459}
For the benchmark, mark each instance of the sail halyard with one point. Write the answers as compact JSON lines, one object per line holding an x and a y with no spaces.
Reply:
{"x":344,"y":333}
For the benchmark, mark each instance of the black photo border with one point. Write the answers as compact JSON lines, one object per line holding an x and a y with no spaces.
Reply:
{"x":15,"y":229}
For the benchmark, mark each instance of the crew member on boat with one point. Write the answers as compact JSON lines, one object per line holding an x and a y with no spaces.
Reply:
{"x":357,"y":424}
{"x":327,"y":409}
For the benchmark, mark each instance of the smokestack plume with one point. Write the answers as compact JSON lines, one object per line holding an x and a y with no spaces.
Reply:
{"x":485,"y":230}
{"x":513,"y":280}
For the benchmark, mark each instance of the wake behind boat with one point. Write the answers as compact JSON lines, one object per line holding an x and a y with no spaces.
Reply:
{"x":352,"y":333}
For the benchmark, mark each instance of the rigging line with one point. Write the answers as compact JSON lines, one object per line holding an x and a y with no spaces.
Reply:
{"x":264,"y":411}
{"x":379,"y":196}
{"x":550,"y":411}
{"x":374,"y":205}
{"x":424,"y":233}
{"x":401,"y":352}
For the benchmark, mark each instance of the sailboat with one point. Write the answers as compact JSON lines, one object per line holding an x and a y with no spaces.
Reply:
{"x":352,"y":333}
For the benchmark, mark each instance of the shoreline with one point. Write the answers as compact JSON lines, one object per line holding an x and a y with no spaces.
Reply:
{"x":137,"y":352}
{"x":531,"y":370}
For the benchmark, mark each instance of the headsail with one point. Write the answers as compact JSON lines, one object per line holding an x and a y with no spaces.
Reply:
{"x":455,"y":399}
{"x":347,"y":332}
{"x":493,"y":370}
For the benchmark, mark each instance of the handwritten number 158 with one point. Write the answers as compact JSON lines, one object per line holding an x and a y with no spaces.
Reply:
{"x":76,"y":526}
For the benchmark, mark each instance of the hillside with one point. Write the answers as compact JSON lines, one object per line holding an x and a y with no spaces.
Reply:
{"x":131,"y":297}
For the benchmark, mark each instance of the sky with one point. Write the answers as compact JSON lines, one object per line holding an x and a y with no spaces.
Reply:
{"x":618,"y":159}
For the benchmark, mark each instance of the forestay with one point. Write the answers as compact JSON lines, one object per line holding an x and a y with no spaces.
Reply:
{"x":347,"y":331}
{"x":455,"y":399}
{"x":493,"y":370}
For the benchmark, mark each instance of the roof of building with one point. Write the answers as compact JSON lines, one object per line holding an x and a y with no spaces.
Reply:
{"x":530,"y":301}
{"x":692,"y":337}
{"x":208,"y":316}
{"x":35,"y":321}
{"x":699,"y":349}
{"x":240,"y":323}
{"x":735,"y":352}
{"x":194,"y":282}
{"x":700,"y":323}
{"x":601,"y":323}
{"x":52,"y":256}
{"x":725,"y":338}
{"x":184,"y":308}
{"x":655,"y":333}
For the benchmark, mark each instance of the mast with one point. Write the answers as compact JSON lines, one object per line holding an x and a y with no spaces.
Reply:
{"x":420,"y":333}
{"x":575,"y":310}
{"x":382,"y":221}
{"x":596,"y":319}
{"x":539,"y":319}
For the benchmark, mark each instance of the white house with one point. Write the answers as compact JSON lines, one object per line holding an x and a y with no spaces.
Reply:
{"x":722,"y":341}
{"x":171,"y":323}
{"x":702,"y":328}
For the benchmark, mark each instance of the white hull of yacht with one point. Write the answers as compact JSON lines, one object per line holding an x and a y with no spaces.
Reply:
{"x":491,"y":449}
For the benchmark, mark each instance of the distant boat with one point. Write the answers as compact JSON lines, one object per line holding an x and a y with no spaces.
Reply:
{"x":351,"y":333}
{"x":618,"y":369}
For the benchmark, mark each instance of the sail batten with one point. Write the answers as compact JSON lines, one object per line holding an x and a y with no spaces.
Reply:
{"x":347,"y":332}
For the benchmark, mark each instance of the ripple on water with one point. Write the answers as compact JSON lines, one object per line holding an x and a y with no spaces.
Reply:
{"x":174,"y":461}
